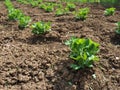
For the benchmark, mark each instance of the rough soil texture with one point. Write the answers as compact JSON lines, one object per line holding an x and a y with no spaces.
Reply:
{"x":29,"y":62}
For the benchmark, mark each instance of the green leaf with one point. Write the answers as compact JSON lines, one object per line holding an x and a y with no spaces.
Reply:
{"x":109,"y":11}
{"x":117,"y":31}
{"x":41,"y":27}
{"x":81,"y":14}
{"x":75,"y":67}
{"x":83,"y":51}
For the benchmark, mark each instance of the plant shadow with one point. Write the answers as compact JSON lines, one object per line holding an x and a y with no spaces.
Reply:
{"x":69,"y":79}
{"x":38,"y":40}
{"x":115,"y":39}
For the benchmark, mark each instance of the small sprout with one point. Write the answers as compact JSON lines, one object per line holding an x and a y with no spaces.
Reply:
{"x":41,"y":27}
{"x":109,"y":11}
{"x":83,"y":51}
{"x":81,"y":14}
{"x":24,"y":21}
{"x":70,"y":83}
{"x":118,"y":28}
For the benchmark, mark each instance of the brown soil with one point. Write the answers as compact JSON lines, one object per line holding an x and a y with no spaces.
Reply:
{"x":29,"y":62}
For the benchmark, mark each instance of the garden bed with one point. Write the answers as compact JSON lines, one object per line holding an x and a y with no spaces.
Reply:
{"x":29,"y":62}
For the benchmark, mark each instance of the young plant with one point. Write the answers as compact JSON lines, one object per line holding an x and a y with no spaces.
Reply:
{"x":71,"y":6}
{"x":23,"y":1}
{"x":61,"y":11}
{"x":48,"y":7}
{"x":83,"y":51}
{"x":14,"y":14}
{"x":118,"y":28}
{"x":81,"y":14}
{"x":41,"y":27}
{"x":24,"y":21}
{"x":34,"y":3}
{"x":109,"y":11}
{"x":66,"y":10}
{"x":8,"y":4}
{"x":40,"y":1}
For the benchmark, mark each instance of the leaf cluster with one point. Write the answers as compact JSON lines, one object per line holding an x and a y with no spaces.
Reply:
{"x":109,"y":11}
{"x":48,"y":7}
{"x":83,"y":51}
{"x":24,"y":21}
{"x":32,"y":2}
{"x":41,"y":27}
{"x":118,"y":28}
{"x":16,"y":14}
{"x":8,"y":4}
{"x":70,"y":6}
{"x":61,"y":10}
{"x":81,"y":14}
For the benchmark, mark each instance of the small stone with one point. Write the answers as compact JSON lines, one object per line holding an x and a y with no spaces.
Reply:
{"x":36,"y":79}
{"x":117,"y":58}
{"x":73,"y":87}
{"x":49,"y":73}
{"x":23,"y":78}
{"x":94,"y":76}
{"x":40,"y":75}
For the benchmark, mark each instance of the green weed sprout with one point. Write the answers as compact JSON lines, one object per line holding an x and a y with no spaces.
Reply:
{"x":83,"y":51}
{"x":109,"y":11}
{"x":118,"y":28}
{"x":41,"y":27}
{"x":81,"y":14}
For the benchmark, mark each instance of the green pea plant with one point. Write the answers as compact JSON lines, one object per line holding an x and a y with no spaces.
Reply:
{"x":48,"y":7}
{"x":71,"y":6}
{"x":81,"y":14}
{"x":24,"y":21}
{"x":34,"y":3}
{"x":118,"y":28}
{"x":61,"y":11}
{"x":109,"y":11}
{"x":23,"y":1}
{"x":8,"y":4}
{"x":83,"y":51}
{"x":14,"y":14}
{"x":41,"y":27}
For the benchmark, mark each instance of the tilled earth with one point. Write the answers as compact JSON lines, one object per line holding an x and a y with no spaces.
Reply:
{"x":29,"y":62}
